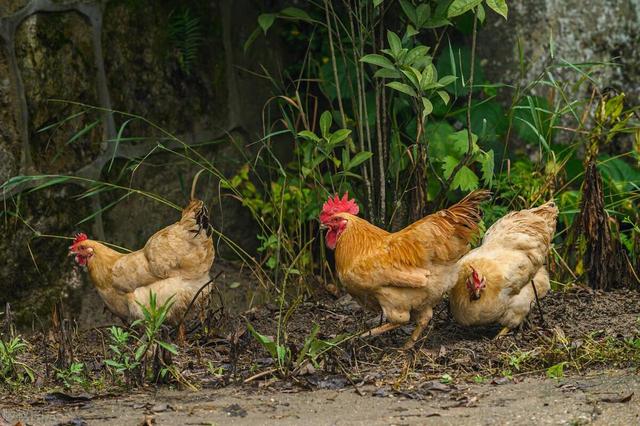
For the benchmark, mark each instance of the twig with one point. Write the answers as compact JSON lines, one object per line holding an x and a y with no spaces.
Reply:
{"x":186,"y":312}
{"x":262,"y":374}
{"x":535,"y":292}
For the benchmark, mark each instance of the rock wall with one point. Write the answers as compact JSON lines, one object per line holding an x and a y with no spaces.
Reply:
{"x":67,"y":70}
{"x":580,"y":31}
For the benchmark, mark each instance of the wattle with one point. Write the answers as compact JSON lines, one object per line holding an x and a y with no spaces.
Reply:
{"x":331,"y":239}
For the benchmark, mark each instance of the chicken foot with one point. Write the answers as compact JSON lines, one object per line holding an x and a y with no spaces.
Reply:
{"x":502,"y":333}
{"x":422,"y":321}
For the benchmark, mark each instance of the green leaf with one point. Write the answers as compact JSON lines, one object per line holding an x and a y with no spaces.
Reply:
{"x":252,"y":37}
{"x":378,"y":60}
{"x":168,"y":346}
{"x":427,"y":107}
{"x":294,"y":12}
{"x":411,"y":31}
{"x":410,"y":11}
{"x":447,"y":80}
{"x":377,"y":3}
{"x":481,"y":14}
{"x":499,"y":6}
{"x":423,"y":12}
{"x":413,"y":75}
{"x":338,"y":136}
{"x":465,"y":180}
{"x":458,"y":7}
{"x":394,"y":43}
{"x":401,"y":87}
{"x":359,"y":158}
{"x":556,"y":371}
{"x":325,"y":123}
{"x":448,"y":165}
{"x":265,"y":21}
{"x":385,"y":73}
{"x":445,"y":96}
{"x":306,"y":134}
{"x":487,"y":163}
{"x":415,"y":53}
{"x":428,"y":76}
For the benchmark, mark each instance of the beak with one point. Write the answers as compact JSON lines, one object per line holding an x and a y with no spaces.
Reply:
{"x":323,"y":227}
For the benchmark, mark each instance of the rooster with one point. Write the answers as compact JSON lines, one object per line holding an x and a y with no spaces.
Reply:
{"x":500,"y":280}
{"x":174,"y":264}
{"x":406,"y":273}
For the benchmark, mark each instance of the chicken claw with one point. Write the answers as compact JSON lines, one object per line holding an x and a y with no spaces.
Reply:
{"x":502,"y":333}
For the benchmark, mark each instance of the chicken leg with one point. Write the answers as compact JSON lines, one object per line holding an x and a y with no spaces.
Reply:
{"x":422,"y":321}
{"x":502,"y":333}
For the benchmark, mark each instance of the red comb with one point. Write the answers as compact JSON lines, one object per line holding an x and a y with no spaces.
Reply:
{"x":475,"y":275}
{"x":336,"y":204}
{"x":80,"y":238}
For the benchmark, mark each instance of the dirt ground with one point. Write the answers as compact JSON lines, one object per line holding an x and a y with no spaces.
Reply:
{"x":606,"y":398}
{"x":589,"y":341}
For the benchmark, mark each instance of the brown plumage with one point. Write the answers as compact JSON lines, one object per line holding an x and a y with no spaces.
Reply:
{"x":175,"y":261}
{"x":405,"y":273}
{"x":512,"y":255}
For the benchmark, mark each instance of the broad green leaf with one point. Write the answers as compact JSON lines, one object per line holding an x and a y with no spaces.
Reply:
{"x":401,"y":87}
{"x":306,"y":134}
{"x":465,"y":180}
{"x":325,"y":123}
{"x":338,"y":136}
{"x":447,"y":80}
{"x":423,"y":12}
{"x":411,"y":31}
{"x":168,"y":346}
{"x":499,"y":6}
{"x":377,"y":3}
{"x":445,"y":96}
{"x":458,"y":7}
{"x":294,"y":12}
{"x":413,"y":75}
{"x":415,"y":53}
{"x":427,"y":107}
{"x":460,"y":140}
{"x":385,"y":73}
{"x":481,"y":14}
{"x":487,"y":165}
{"x":449,"y":163}
{"x":266,"y":21}
{"x":428,"y":76}
{"x":378,"y":60}
{"x":410,"y":11}
{"x":394,"y":43}
{"x":359,"y":158}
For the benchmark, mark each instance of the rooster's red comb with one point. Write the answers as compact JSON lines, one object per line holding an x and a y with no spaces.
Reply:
{"x":476,"y":276}
{"x":80,"y":237}
{"x":336,"y":204}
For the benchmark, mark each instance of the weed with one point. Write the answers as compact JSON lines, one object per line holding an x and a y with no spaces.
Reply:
{"x":74,"y":375}
{"x":12,"y":370}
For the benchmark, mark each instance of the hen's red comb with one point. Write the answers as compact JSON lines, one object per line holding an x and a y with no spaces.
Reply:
{"x":336,"y":204}
{"x":80,"y":237}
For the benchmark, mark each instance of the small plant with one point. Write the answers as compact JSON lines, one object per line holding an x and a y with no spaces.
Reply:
{"x":11,"y":369}
{"x":556,"y":371}
{"x":479,"y":379}
{"x":217,"y":372}
{"x":74,"y":375}
{"x":446,"y":379}
{"x":154,"y":317}
{"x":124,"y":361}
{"x":185,"y":32}
{"x":311,"y":351}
